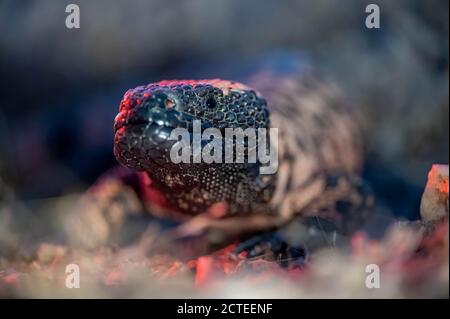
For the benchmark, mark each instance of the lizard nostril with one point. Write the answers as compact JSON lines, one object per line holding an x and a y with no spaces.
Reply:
{"x":169,"y":104}
{"x":211,"y":103}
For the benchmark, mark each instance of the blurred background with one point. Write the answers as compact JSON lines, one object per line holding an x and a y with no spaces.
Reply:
{"x":60,"y":88}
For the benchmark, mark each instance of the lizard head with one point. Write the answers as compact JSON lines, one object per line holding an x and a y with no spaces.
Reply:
{"x":148,"y":114}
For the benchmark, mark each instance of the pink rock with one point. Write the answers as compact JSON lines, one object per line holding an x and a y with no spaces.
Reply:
{"x":434,"y":205}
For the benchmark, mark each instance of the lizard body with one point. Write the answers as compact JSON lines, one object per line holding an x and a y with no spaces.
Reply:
{"x":320,"y":153}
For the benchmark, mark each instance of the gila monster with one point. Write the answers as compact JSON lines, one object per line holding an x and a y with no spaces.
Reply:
{"x":317,"y":184}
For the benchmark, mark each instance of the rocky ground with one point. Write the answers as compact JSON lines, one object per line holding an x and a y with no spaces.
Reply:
{"x":412,"y":258}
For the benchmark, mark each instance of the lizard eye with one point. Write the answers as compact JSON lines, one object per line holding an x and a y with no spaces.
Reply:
{"x":211,"y":103}
{"x":169,"y":103}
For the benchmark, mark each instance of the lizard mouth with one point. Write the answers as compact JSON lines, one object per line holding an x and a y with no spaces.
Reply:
{"x":128,"y":123}
{"x":142,"y":135}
